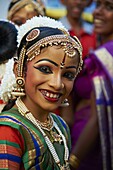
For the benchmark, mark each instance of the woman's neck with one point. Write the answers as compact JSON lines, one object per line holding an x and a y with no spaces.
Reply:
{"x":105,"y":38}
{"x":37,"y":111}
{"x":74,"y":22}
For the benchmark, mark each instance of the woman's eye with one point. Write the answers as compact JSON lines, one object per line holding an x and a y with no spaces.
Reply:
{"x":109,"y":7}
{"x":44,"y":69}
{"x":69,"y":75}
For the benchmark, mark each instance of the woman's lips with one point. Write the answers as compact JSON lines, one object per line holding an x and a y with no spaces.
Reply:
{"x":50,"y":95}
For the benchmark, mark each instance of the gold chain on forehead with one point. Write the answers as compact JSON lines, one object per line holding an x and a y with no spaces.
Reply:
{"x":67,"y":42}
{"x":69,"y":46}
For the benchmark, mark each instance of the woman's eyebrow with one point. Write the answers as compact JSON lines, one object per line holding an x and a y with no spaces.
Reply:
{"x":48,"y":61}
{"x":75,"y":67}
{"x":71,"y":67}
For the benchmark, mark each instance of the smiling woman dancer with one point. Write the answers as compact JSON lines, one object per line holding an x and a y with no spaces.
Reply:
{"x":48,"y":61}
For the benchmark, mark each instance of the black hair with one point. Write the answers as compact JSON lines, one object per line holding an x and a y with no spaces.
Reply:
{"x":8,"y":40}
{"x":12,"y":4}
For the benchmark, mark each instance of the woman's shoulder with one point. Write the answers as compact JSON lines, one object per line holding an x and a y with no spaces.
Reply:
{"x":13,"y":119}
{"x":11,"y":113}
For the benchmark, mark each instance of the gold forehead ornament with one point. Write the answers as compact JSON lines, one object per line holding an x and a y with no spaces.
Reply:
{"x":70,"y":46}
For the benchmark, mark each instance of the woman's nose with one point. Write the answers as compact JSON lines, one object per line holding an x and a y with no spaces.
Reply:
{"x":56,"y":83}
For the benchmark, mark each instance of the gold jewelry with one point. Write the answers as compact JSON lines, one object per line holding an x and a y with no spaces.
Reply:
{"x":56,"y":137}
{"x":74,"y":161}
{"x":25,"y":112}
{"x":33,"y":35}
{"x":69,"y":46}
{"x":47,"y":125}
{"x":18,"y":88}
{"x":62,"y":64}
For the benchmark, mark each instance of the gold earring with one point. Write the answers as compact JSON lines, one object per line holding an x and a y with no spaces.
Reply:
{"x":65,"y":103}
{"x":18,"y":89}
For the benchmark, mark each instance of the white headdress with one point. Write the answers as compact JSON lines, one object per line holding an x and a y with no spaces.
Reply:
{"x":7,"y":81}
{"x":38,"y":22}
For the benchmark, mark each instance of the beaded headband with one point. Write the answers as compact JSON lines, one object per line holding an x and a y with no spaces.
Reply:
{"x":69,"y":45}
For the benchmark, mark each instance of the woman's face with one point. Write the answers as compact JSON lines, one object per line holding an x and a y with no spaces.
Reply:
{"x":46,"y":83}
{"x":22,"y":15}
{"x":74,"y":7}
{"x":103,"y":17}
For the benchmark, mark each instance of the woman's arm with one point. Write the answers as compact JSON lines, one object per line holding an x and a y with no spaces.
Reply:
{"x":11,"y":148}
{"x":89,"y":135}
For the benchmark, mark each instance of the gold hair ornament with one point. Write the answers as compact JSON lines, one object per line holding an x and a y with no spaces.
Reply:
{"x":33,"y":35}
{"x":18,"y":88}
{"x":69,"y":45}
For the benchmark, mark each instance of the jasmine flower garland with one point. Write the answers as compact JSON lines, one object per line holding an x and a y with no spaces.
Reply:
{"x":8,"y":81}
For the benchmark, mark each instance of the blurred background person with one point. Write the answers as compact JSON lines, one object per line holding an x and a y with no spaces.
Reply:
{"x":21,"y":10}
{"x":8,"y":47}
{"x":76,"y":25}
{"x":92,"y":131}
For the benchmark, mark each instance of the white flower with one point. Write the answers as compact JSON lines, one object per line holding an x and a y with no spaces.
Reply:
{"x":41,"y":21}
{"x":7,"y":81}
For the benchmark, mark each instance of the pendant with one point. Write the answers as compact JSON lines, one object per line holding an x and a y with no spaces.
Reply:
{"x":56,"y":137}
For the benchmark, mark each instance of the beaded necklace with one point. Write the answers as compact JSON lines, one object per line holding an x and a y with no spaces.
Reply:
{"x":26,"y":113}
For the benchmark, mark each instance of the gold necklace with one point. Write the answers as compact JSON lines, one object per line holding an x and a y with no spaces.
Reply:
{"x":25,"y":112}
{"x":47,"y":125}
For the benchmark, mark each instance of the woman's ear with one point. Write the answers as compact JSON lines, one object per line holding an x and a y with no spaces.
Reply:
{"x":15,"y":68}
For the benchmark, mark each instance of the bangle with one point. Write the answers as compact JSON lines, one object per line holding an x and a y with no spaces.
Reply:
{"x":74,"y":161}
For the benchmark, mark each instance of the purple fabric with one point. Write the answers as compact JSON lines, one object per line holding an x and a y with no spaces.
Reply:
{"x":93,"y":159}
{"x":83,"y":86}
{"x":93,"y":67}
{"x":81,"y":119}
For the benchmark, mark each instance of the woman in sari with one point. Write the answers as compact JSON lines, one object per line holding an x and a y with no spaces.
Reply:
{"x":92,"y":131}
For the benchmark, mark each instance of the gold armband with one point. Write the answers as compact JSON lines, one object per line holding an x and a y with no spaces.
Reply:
{"x":74,"y":161}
